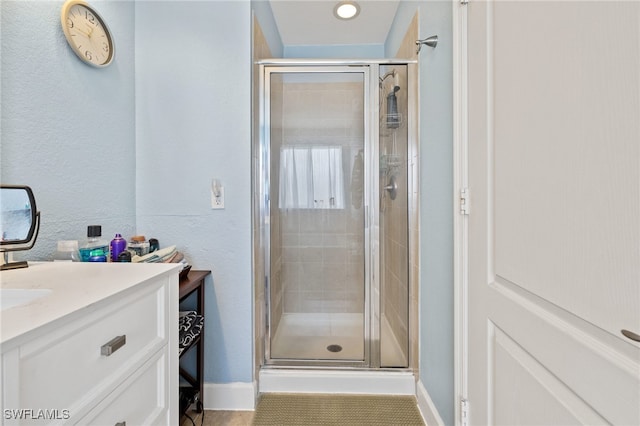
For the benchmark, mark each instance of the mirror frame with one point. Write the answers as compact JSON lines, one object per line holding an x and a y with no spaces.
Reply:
{"x":30,"y":240}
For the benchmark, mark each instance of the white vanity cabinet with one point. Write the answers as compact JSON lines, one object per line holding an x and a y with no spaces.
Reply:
{"x":110,"y":360}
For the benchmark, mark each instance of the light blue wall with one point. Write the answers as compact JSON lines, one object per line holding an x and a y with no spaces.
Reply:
{"x":347,"y":51}
{"x":193,"y":118}
{"x":436,"y":197}
{"x":179,"y":102}
{"x":68,"y":129}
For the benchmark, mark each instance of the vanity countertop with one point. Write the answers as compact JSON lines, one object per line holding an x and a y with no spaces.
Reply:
{"x":73,"y":287}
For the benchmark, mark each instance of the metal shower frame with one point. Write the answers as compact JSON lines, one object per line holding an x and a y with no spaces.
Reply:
{"x":371,"y":72}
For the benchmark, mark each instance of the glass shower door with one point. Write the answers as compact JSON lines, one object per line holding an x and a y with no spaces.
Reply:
{"x":316,"y":230}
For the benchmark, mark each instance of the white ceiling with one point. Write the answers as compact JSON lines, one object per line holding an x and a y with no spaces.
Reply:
{"x":311,"y":22}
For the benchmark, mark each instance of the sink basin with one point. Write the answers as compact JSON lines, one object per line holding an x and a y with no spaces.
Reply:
{"x":12,"y":297}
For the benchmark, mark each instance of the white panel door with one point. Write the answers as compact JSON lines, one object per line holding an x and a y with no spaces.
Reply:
{"x":554,"y":229}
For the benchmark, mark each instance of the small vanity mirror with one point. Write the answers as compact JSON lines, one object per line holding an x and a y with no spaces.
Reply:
{"x":19,"y":222}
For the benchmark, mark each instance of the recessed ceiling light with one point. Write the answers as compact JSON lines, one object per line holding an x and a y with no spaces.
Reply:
{"x":346,"y":10}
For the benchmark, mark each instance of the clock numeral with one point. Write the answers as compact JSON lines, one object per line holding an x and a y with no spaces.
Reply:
{"x":105,"y":47}
{"x":69,"y":23}
{"x":89,"y":17}
{"x":88,"y":55}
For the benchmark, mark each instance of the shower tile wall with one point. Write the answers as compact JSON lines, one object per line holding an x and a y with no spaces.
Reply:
{"x":407,"y":49}
{"x":394,"y":219}
{"x":322,"y":258}
{"x":395,"y":289}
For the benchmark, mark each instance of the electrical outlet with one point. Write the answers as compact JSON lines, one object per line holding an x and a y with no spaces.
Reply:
{"x":217,"y":198}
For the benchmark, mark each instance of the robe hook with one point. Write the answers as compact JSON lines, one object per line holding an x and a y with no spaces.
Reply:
{"x":429,"y":41}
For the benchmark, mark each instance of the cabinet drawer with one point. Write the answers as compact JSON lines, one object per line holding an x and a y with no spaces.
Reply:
{"x":67,"y":370}
{"x":140,"y":400}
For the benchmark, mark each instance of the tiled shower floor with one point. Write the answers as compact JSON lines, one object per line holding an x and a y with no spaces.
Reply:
{"x":307,"y":336}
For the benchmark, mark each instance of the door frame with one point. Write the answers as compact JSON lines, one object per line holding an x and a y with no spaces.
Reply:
{"x":461,"y":202}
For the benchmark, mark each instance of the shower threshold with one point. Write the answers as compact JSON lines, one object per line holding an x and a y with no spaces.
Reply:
{"x":374,"y":382}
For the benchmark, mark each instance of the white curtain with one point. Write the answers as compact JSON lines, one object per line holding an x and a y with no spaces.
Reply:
{"x":311,"y":177}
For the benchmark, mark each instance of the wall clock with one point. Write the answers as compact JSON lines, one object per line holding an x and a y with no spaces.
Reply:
{"x":87,"y":33}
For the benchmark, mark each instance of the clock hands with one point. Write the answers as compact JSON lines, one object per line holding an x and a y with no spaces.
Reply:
{"x":87,"y":34}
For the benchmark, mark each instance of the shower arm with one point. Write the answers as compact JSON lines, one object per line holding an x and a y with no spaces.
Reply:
{"x":396,"y":84}
{"x":429,"y":41}
{"x":388,"y":74}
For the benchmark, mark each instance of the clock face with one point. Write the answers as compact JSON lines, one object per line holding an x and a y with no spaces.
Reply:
{"x":87,"y":33}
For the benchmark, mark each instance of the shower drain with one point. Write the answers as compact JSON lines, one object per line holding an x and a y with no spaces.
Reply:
{"x":334,"y":348}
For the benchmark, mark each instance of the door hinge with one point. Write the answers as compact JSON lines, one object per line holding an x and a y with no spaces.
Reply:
{"x":464,"y":201}
{"x":464,"y":412}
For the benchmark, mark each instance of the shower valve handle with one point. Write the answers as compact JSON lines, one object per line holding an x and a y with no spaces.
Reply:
{"x":392,"y":188}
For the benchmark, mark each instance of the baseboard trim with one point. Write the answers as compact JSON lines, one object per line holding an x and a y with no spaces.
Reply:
{"x":238,"y":396}
{"x":427,"y":407}
{"x":361,"y":382}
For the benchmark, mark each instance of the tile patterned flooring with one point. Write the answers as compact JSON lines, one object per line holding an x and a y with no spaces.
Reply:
{"x":306,"y":337}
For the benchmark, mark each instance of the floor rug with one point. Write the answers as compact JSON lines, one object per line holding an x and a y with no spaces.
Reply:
{"x":278,"y":409}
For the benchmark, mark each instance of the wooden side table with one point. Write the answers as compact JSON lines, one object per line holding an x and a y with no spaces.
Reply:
{"x":193,"y":283}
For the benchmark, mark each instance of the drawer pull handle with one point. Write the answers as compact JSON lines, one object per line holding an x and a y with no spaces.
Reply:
{"x":113,"y":345}
{"x":121,"y":424}
{"x":631,"y":335}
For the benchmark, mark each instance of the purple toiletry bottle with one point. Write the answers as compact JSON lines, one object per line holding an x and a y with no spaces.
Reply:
{"x":118,"y":245}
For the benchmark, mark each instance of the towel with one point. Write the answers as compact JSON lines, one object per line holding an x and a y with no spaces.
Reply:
{"x":190,"y":325}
